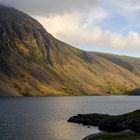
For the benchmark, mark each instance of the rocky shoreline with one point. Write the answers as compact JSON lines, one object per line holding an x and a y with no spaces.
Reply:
{"x":129,"y":122}
{"x":110,"y":123}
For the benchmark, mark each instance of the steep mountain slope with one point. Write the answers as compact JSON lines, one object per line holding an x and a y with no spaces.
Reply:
{"x":34,"y":63}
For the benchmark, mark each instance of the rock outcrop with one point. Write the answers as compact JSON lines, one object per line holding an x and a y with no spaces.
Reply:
{"x":110,"y":123}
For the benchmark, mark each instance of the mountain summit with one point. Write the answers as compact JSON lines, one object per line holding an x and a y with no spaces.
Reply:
{"x":34,"y":63}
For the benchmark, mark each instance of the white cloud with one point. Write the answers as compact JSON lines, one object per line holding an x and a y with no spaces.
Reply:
{"x":80,"y":29}
{"x":127,"y":8}
{"x":57,"y":24}
{"x":93,"y":16}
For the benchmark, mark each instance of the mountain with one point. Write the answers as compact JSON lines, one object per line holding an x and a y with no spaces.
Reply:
{"x":34,"y":63}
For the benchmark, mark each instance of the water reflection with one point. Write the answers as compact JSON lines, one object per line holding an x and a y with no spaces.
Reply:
{"x":60,"y":130}
{"x":46,"y":118}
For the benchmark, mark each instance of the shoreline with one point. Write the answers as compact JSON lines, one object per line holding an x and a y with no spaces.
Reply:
{"x":112,"y":127}
{"x":100,"y":134}
{"x":90,"y":136}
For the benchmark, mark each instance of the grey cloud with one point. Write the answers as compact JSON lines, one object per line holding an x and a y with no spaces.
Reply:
{"x":46,"y":7}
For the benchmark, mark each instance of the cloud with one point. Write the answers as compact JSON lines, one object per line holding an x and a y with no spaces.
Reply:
{"x":47,"y":7}
{"x":71,"y":28}
{"x":128,"y":8}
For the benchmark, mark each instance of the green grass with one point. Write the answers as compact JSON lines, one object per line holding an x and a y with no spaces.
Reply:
{"x":68,"y":90}
{"x":109,"y":136}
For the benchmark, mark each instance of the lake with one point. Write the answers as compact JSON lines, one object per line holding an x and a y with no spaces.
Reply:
{"x":45,"y":118}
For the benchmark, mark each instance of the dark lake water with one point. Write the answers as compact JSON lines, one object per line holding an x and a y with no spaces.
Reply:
{"x":45,"y":118}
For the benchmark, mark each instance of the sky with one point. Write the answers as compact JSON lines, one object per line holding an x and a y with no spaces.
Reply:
{"x":110,"y":26}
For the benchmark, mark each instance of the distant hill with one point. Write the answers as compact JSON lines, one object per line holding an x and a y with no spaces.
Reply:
{"x":34,"y":63}
{"x":135,"y":92}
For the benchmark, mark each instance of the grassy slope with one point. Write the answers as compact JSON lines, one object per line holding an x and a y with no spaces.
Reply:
{"x":130,"y":63}
{"x":34,"y":63}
